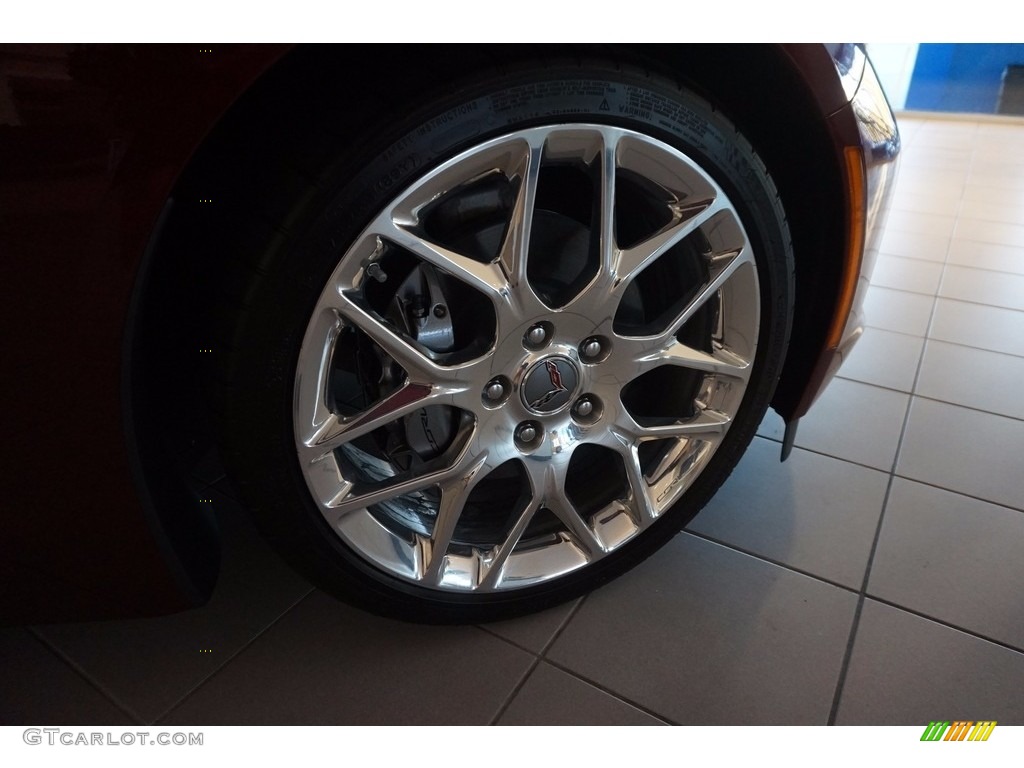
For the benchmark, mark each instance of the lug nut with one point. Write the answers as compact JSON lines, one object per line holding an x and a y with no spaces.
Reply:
{"x":526,"y":433}
{"x":494,"y":391}
{"x":590,"y":349}
{"x":584,"y":407}
{"x":536,"y":335}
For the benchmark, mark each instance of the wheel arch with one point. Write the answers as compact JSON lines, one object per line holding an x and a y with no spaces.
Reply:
{"x":788,"y":101}
{"x":796,"y":86}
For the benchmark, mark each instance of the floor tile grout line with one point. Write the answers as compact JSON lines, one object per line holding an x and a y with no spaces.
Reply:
{"x":538,"y":658}
{"x":990,"y":270}
{"x":932,"y":399}
{"x":959,"y":300}
{"x":562,"y":626}
{"x":960,"y":203}
{"x":917,"y":172}
{"x":901,"y":221}
{"x":876,"y":384}
{"x":976,"y":163}
{"x":496,"y":635}
{"x":844,"y":667}
{"x":604,"y":689}
{"x":851,"y":640}
{"x":520,"y":684}
{"x":968,"y":346}
{"x":947,"y":624}
{"x":232,"y":657}
{"x":953,"y":239}
{"x":939,"y":295}
{"x":882,"y":252}
{"x":902,"y":197}
{"x":890,"y":330}
{"x":88,"y":678}
{"x":970,"y":167}
{"x":486,"y":628}
{"x":954,"y":491}
{"x":769,"y":560}
{"x":874,"y":286}
{"x":971,"y":241}
{"x":923,"y":162}
{"x":1007,"y":507}
{"x":928,"y":337}
{"x":542,"y":658}
{"x":868,"y":595}
{"x":947,"y":341}
{"x":817,"y":452}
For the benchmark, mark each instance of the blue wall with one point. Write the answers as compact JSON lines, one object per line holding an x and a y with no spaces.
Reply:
{"x":960,"y":77}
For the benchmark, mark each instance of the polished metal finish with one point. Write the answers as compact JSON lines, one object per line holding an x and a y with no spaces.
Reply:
{"x":536,"y":335}
{"x":538,"y":429}
{"x":584,"y":407}
{"x":494,"y":391}
{"x":590,"y":349}
{"x":526,"y":433}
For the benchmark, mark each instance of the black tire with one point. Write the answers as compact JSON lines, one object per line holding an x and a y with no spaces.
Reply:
{"x":283,"y":285}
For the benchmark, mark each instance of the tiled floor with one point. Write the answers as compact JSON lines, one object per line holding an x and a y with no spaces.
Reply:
{"x":876,"y":577}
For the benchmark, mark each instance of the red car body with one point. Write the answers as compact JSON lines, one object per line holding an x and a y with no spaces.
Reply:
{"x":96,"y":143}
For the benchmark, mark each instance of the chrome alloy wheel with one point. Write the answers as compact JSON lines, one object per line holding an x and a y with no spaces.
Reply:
{"x":526,"y":358}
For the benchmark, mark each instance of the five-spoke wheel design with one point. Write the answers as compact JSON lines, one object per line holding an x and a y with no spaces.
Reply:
{"x":526,"y":358}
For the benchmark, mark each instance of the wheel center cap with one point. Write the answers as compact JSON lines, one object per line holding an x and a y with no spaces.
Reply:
{"x":550,"y":384}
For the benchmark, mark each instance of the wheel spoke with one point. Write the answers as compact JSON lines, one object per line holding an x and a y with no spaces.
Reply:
{"x":609,"y":250}
{"x":686,"y":218}
{"x":454,"y":493}
{"x":416,"y":364}
{"x":312,"y":384}
{"x":722,"y":267}
{"x":640,"y":503}
{"x":496,"y":566}
{"x":707,"y":424}
{"x":581,"y":532}
{"x":514,"y":250}
{"x":721,"y":362}
{"x":489,"y":278}
{"x":593,"y":300}
{"x":359,"y":496}
{"x":552,"y":489}
{"x":337,"y":430}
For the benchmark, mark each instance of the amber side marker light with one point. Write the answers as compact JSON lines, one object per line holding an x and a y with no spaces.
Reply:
{"x":856,"y":200}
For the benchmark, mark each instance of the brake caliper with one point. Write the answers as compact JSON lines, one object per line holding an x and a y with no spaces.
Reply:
{"x":420,"y":308}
